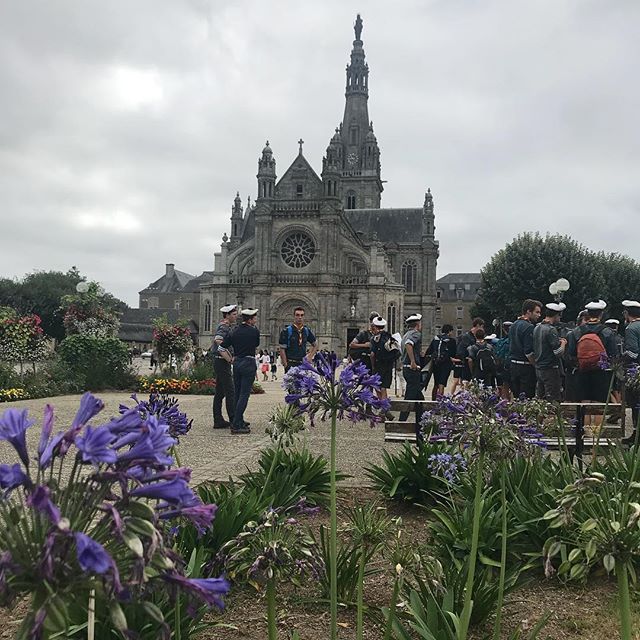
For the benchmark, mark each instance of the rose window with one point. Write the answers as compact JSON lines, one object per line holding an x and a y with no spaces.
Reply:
{"x":298,"y":250}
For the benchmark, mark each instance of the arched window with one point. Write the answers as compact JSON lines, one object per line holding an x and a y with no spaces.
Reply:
{"x":207,"y":316}
{"x":351,"y":199}
{"x":410,"y":276}
{"x":391,"y":317}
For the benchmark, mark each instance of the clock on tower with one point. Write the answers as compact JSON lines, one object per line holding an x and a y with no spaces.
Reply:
{"x":352,"y":159}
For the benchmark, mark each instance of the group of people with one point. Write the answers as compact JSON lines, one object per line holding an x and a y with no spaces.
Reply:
{"x":535,"y":357}
{"x":236,"y":363}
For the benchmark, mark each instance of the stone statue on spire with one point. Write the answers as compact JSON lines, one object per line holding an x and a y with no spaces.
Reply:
{"x":358,"y":27}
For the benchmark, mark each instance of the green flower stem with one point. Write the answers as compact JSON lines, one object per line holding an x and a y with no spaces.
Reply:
{"x":359,"y":617}
{"x":475,"y":535}
{"x":397,"y":583}
{"x":503,"y":556}
{"x":271,"y":609}
{"x":333,"y":534}
{"x":174,"y":453}
{"x":177,"y":619}
{"x":274,"y":461}
{"x":625,"y":601}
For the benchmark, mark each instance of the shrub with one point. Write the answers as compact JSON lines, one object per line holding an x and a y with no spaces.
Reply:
{"x":407,"y":474}
{"x":15,"y":393}
{"x":296,"y":474}
{"x":100,"y":362}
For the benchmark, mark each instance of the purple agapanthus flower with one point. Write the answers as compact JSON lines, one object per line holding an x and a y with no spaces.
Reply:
{"x":89,"y":407}
{"x":92,"y":556}
{"x":150,"y":447}
{"x":12,"y":476}
{"x":95,"y":445}
{"x":210,"y":590}
{"x":40,"y":500}
{"x":47,"y":428}
{"x":200,"y":514}
{"x":447,"y":466}
{"x":13,"y":426}
{"x":165,"y":409}
{"x":175,"y":492}
{"x":314,"y":388}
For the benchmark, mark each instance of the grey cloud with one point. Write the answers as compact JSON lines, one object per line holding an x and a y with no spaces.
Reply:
{"x":519,"y":116}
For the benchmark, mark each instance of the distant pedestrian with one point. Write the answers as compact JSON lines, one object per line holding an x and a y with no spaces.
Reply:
{"x":461,"y":371}
{"x":274,"y":366}
{"x":632,"y":357}
{"x":481,"y":361}
{"x":442,"y":351}
{"x":360,"y":347}
{"x":412,"y":367}
{"x":265,"y":365}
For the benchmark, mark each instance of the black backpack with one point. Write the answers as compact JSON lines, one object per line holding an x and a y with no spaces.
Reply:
{"x":485,"y":361}
{"x":441,"y":351}
{"x":385,"y":355}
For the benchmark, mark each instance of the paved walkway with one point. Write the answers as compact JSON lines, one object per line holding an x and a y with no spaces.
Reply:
{"x":218,"y":455}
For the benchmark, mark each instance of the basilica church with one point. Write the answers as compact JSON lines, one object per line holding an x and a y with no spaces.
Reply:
{"x":324,"y":242}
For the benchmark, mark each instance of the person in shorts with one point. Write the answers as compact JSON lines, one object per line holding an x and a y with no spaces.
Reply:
{"x":442,"y":351}
{"x":384,"y":353}
{"x":461,"y":370}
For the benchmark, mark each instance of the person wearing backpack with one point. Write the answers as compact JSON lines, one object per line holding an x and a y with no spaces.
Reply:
{"x":294,"y":340}
{"x":384,"y":353}
{"x":589,"y":346}
{"x":360,"y":346}
{"x":501,"y":353}
{"x":442,"y":350}
{"x":461,"y":371}
{"x":548,"y":346}
{"x":482,"y":362}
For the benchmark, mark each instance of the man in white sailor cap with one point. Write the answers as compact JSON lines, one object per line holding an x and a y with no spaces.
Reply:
{"x":590,"y":346}
{"x":548,"y":346}
{"x":244,"y":341}
{"x":632,"y":356}
{"x":412,"y":366}
{"x":222,"y":368}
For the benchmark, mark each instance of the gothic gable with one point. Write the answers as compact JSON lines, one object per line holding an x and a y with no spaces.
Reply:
{"x":299,"y":182}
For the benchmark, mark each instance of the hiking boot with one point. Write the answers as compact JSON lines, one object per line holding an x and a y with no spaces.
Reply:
{"x":240,"y":430}
{"x":221,"y":424}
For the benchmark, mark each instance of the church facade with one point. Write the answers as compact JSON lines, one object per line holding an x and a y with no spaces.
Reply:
{"x":324,"y":242}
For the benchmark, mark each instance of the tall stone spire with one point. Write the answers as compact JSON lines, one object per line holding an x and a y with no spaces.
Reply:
{"x":355,"y":122}
{"x":359,"y":161}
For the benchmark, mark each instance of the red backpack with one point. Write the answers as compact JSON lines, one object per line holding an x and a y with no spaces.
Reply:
{"x":590,"y":349}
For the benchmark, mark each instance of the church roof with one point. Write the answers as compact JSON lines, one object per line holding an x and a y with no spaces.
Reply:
{"x":300,"y":172}
{"x":390,"y":225}
{"x":169,"y":283}
{"x":193,"y":286}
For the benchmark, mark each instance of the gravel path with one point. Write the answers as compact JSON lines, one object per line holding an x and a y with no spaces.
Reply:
{"x":217,"y":455}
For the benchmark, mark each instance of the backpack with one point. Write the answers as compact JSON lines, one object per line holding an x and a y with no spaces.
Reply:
{"x":501,"y":350}
{"x":485,"y":361}
{"x":440,"y":353}
{"x":590,"y":349}
{"x":388,"y":355}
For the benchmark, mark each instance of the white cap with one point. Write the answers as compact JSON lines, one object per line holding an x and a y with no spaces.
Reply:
{"x":414,"y":317}
{"x":507,"y":323}
{"x":596,"y":305}
{"x":558,"y":307}
{"x":612,"y":321}
{"x":373,"y":314}
{"x":249,"y":312}
{"x":493,"y":336}
{"x":379,"y":322}
{"x":630,"y":304}
{"x":228,"y":308}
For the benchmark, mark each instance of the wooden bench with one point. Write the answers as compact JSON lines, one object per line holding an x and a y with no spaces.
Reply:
{"x":575,"y":440}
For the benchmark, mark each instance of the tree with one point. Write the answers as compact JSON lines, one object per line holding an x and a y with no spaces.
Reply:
{"x":530,"y":263}
{"x":88,"y":311}
{"x":41,"y":293}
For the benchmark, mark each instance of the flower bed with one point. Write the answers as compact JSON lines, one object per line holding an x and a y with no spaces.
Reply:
{"x":9,"y":395}
{"x":205,"y":387}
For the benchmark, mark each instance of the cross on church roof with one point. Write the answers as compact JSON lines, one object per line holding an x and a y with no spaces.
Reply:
{"x":300,"y":142}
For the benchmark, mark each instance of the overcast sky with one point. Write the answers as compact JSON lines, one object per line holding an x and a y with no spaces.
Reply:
{"x":126,"y":127}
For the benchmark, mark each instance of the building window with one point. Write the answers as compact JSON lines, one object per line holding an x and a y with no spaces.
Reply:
{"x":187,"y":304}
{"x":452,"y":287}
{"x":410,"y":276}
{"x":459,"y":294}
{"x":298,"y":250}
{"x":459,"y":313}
{"x":176,"y":304}
{"x":351,"y":200}
{"x":154,"y":303}
{"x":438,"y":294}
{"x":207,"y":316}
{"x":391,"y":317}
{"x":459,"y":330}
{"x":438,"y":313}
{"x":467,"y":287}
{"x":438,"y":328}
{"x":299,"y":190}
